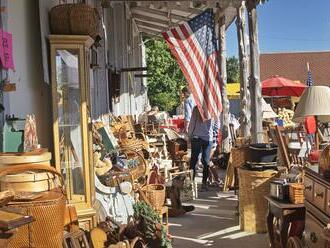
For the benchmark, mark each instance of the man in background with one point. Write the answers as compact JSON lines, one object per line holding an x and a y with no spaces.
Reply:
{"x":189,"y":104}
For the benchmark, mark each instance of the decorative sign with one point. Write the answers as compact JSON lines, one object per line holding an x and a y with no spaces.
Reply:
{"x":6,"y":50}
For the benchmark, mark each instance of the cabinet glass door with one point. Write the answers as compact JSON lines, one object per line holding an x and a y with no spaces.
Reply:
{"x":69,"y":122}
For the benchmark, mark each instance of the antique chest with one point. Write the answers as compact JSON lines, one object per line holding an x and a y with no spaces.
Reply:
{"x":317,"y":202}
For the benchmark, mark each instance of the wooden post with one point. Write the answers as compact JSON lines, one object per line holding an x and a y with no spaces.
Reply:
{"x":245,"y":113}
{"x":254,"y":80}
{"x":3,"y":72}
{"x":223,"y":80}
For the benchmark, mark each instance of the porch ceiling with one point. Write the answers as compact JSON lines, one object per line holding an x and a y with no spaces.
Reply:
{"x":154,"y":17}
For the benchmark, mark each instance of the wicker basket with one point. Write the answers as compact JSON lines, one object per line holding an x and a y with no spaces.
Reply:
{"x":29,"y":181}
{"x":155,"y":194}
{"x":48,"y":211}
{"x":59,"y":17}
{"x":296,"y":193}
{"x":141,"y":169}
{"x":76,"y":19}
{"x":253,"y":187}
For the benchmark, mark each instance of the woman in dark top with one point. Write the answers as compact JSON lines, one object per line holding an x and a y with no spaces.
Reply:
{"x":201,"y":134}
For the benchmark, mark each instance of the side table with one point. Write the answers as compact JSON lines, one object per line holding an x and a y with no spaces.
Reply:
{"x":280,"y":216}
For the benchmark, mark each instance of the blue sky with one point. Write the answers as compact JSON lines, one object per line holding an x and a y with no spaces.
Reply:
{"x":289,"y":25}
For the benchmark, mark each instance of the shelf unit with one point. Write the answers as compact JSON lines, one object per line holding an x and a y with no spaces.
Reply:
{"x":70,"y":55}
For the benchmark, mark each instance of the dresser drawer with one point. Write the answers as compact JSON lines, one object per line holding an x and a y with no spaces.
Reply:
{"x":319,"y":199}
{"x":308,"y":189}
{"x":313,"y":230}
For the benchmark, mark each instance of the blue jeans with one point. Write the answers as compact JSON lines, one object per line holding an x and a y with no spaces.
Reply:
{"x":199,"y":145}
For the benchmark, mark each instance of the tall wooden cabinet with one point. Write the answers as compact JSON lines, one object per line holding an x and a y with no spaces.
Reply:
{"x":70,"y":66}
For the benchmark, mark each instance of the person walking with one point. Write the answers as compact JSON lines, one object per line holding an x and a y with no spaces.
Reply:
{"x":188,"y":105}
{"x":214,"y":179}
{"x":201,"y":136}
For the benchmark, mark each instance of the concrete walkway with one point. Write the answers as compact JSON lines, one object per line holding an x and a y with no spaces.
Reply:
{"x":214,"y":223}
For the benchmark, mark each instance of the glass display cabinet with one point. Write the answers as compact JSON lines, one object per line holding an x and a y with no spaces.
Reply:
{"x":70,"y":69}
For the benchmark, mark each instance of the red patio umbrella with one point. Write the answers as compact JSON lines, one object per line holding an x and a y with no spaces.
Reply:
{"x":280,"y":86}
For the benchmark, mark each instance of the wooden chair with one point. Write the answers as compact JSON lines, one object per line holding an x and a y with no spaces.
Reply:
{"x":74,"y":237}
{"x":289,"y":154}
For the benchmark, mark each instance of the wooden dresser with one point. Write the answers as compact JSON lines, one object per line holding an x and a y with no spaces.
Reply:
{"x":317,"y":203}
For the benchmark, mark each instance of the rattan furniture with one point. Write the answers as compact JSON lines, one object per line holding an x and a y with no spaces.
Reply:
{"x":284,"y":220}
{"x":70,"y":67}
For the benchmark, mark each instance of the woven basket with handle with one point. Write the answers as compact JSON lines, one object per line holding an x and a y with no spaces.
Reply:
{"x":155,"y":193}
{"x":47,"y":210}
{"x":296,"y":193}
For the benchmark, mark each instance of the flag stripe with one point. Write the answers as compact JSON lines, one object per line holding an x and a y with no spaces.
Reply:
{"x":194,"y":46}
{"x":213,"y":76}
{"x":197,"y":97}
{"x":199,"y":49}
{"x":201,"y":79}
{"x":185,"y":67}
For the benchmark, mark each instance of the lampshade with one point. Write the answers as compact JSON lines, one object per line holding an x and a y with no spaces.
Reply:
{"x":267,"y":111}
{"x":314,"y":101}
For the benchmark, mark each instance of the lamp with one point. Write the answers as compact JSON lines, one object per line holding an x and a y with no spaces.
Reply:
{"x":267,"y":111}
{"x":315,"y":101}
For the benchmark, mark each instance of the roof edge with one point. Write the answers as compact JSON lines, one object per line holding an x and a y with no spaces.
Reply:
{"x":294,"y":52}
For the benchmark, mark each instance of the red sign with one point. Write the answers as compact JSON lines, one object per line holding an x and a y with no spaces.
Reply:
{"x":6,"y":50}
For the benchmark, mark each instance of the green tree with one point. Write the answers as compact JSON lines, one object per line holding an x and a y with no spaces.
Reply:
{"x":167,"y":80}
{"x":232,"y":70}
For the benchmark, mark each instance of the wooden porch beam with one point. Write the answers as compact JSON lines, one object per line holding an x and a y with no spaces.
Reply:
{"x":245,"y":103}
{"x":255,"y":84}
{"x":149,"y":19}
{"x":188,"y":10}
{"x":138,"y":10}
{"x":150,"y":25}
{"x":150,"y":31}
{"x":143,"y":75}
{"x":223,"y":80}
{"x":133,"y":69}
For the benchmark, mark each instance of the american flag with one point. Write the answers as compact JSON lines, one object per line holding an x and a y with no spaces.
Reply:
{"x":194,"y":45}
{"x":309,"y":77}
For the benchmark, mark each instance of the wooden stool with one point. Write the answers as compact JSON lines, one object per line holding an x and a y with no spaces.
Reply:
{"x":75,"y":239}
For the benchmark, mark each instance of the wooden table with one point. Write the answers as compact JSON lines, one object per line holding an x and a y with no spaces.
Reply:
{"x":284,"y":214}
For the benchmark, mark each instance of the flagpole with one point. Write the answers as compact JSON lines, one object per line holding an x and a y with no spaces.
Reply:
{"x":317,"y":141}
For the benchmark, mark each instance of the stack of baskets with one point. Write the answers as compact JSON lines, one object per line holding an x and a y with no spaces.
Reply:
{"x":296,"y":193}
{"x":47,"y":209}
{"x":155,"y":194}
{"x":253,"y":187}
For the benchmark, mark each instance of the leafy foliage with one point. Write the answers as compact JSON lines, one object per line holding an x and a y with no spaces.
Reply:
{"x":167,"y":79}
{"x":150,"y":222}
{"x":232,"y":70}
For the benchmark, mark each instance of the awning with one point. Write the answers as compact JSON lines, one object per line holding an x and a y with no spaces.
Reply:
{"x":154,"y":17}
